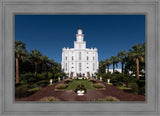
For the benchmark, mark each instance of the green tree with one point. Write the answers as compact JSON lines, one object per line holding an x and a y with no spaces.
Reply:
{"x":20,"y":52}
{"x":114,"y":61}
{"x":137,"y":54}
{"x":108,"y":63}
{"x":102,"y":67}
{"x":122,"y":58}
{"x":44,"y":60}
{"x":35,"y":58}
{"x":51,"y":65}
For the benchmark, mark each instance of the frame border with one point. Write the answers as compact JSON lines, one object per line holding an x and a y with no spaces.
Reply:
{"x":3,"y":13}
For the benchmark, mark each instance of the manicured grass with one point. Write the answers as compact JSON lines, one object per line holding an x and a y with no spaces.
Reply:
{"x":121,"y":87}
{"x":34,"y":89}
{"x":73,"y":85}
{"x":109,"y":83}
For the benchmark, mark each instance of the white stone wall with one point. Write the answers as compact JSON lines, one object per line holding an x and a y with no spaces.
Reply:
{"x":116,"y":69}
{"x":71,"y":59}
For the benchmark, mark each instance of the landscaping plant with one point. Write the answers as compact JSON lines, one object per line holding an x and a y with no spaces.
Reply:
{"x":49,"y":99}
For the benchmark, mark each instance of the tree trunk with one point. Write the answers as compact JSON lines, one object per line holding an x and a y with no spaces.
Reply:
{"x":108,"y":68}
{"x":17,"y":70}
{"x":137,"y":67}
{"x":113,"y":68}
{"x":122,"y":68}
{"x":44,"y":67}
{"x":35,"y":70}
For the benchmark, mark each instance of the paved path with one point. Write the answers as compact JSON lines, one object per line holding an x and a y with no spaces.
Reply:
{"x":90,"y":95}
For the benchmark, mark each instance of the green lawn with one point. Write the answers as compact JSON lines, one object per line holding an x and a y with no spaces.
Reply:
{"x":73,"y":85}
{"x":121,"y":87}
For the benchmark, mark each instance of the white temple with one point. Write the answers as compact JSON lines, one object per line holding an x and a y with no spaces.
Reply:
{"x":79,"y":60}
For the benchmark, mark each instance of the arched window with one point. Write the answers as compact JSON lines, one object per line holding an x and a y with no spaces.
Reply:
{"x":79,"y":55}
{"x":93,"y":67}
{"x":93,"y":57}
{"x":87,"y":58}
{"x":72,"y":58}
{"x":66,"y":57}
{"x":66,"y":66}
{"x":80,"y":66}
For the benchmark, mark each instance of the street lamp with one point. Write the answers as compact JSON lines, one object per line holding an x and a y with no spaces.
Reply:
{"x":51,"y":81}
{"x":108,"y":80}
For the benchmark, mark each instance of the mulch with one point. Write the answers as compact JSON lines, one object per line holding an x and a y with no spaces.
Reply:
{"x":90,"y":95}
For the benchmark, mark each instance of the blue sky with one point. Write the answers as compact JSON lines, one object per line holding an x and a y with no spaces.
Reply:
{"x":108,"y":33}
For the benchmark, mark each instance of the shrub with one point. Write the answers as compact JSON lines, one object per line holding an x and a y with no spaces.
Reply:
{"x":132,"y":79}
{"x":109,"y":75}
{"x":68,"y":81}
{"x":50,"y":75}
{"x":142,"y":91}
{"x":109,"y":98}
{"x":92,"y":80}
{"x":121,"y":79}
{"x":42,"y":76}
{"x":46,"y":99}
{"x":32,"y":85}
{"x":43,"y":83}
{"x":21,"y":91}
{"x":98,"y":85}
{"x":34,"y":89}
{"x":134,"y":87}
{"x":27,"y":77}
{"x":116,"y":72}
{"x":61,"y":86}
{"x":141,"y":83}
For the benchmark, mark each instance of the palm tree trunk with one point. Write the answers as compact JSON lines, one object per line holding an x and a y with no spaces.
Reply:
{"x":108,"y":68}
{"x":35,"y":70}
{"x":122,"y":68}
{"x":113,"y":67}
{"x":137,"y":67}
{"x":43,"y":67}
{"x":17,"y":70}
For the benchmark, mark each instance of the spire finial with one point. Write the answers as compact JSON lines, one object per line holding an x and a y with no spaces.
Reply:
{"x":80,"y":27}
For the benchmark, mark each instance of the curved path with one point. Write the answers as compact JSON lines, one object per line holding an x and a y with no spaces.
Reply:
{"x":91,"y":95}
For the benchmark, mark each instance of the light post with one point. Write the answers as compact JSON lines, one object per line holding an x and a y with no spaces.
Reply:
{"x":108,"y":80}
{"x":96,"y":77}
{"x":51,"y":81}
{"x":100,"y":78}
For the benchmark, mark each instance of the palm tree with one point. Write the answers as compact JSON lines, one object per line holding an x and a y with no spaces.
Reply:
{"x":44,"y":60}
{"x":51,"y":64}
{"x":122,"y":58}
{"x":102,"y":67}
{"x":20,"y":51}
{"x":108,"y":63}
{"x":35,"y":58}
{"x":137,"y":53}
{"x":114,"y":61}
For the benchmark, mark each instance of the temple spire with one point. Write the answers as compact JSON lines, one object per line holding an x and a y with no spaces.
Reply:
{"x":80,"y":27}
{"x":79,"y":35}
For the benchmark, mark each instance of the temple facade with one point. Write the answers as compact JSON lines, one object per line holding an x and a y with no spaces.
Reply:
{"x":79,"y":61}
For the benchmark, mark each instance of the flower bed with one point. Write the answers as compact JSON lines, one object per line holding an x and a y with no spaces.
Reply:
{"x":68,"y":81}
{"x":98,"y":85}
{"x":61,"y":86}
{"x":48,"y":99}
{"x":109,"y":98}
{"x":92,"y":80}
{"x":80,"y":89}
